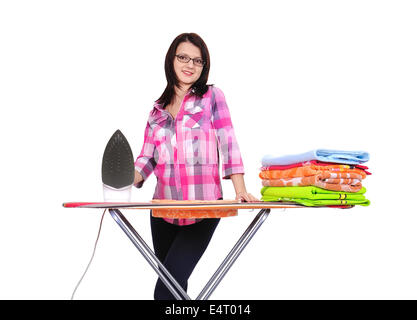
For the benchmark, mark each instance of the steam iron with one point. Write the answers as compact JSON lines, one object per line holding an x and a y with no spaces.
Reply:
{"x":118,"y":169}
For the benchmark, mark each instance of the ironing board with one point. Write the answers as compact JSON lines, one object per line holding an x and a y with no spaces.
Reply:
{"x":165,"y":276}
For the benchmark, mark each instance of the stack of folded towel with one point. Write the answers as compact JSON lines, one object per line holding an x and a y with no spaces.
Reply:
{"x":320,"y":177}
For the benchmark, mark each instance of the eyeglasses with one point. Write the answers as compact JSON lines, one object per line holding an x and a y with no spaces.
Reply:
{"x":185,"y":59}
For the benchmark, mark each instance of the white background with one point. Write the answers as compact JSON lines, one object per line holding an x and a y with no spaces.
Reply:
{"x":297,"y":75}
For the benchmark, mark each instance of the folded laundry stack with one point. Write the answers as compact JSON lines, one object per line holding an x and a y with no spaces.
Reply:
{"x":320,"y":177}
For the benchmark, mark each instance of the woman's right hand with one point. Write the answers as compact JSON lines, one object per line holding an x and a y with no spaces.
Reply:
{"x":138,"y":177}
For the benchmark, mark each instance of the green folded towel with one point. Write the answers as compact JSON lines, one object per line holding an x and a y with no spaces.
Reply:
{"x":314,"y":196}
{"x":312,"y":203}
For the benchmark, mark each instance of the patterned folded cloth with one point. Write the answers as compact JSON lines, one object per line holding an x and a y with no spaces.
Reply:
{"x":326,"y":155}
{"x":312,"y":170}
{"x":348,"y":182}
{"x":193,"y":213}
{"x":317,"y":163}
{"x":314,"y":196}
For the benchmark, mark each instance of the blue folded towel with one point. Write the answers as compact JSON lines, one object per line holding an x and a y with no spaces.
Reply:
{"x":326,"y":155}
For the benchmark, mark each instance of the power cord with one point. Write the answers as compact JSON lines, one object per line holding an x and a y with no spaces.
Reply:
{"x":94,"y":251}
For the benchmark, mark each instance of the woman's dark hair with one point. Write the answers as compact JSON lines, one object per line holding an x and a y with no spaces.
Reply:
{"x":200,"y":87}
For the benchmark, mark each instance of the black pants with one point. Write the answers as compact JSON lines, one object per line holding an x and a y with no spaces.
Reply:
{"x":179,"y":248}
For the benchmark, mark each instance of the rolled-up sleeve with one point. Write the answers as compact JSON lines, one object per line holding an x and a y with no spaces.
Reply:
{"x":145,"y":162}
{"x":229,"y":149}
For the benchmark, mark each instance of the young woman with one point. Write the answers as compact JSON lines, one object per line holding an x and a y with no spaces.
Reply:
{"x":187,"y":129}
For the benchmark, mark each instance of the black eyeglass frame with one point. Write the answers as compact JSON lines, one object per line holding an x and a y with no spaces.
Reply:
{"x":198,"y":65}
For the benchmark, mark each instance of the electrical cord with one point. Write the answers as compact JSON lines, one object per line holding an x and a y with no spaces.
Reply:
{"x":92,"y":256}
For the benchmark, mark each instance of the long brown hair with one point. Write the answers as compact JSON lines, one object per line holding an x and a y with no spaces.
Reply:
{"x":200,"y":87}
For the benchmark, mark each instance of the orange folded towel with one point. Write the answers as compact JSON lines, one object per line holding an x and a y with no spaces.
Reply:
{"x":308,"y":171}
{"x":325,"y":180}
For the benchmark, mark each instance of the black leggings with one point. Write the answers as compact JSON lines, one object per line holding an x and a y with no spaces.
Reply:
{"x":179,"y":248}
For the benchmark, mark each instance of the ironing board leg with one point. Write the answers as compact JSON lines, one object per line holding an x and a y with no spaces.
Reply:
{"x":148,"y":254}
{"x":233,"y":255}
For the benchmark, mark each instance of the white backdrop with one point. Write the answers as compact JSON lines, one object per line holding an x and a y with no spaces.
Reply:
{"x":297,"y":75}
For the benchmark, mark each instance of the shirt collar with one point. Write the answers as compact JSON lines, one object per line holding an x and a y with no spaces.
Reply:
{"x":159,"y":106}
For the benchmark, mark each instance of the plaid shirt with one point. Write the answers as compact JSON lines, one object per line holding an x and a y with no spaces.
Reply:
{"x":184,"y":152}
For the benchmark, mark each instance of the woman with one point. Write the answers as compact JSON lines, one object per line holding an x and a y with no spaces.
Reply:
{"x":187,"y":128}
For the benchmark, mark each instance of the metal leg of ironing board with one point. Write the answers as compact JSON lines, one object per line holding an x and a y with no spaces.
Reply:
{"x":233,"y":255}
{"x":148,"y":254}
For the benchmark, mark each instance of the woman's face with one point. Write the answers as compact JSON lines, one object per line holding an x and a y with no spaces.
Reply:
{"x":187,"y":73}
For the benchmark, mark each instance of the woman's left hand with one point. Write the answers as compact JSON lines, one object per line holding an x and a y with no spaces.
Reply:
{"x":246,"y":197}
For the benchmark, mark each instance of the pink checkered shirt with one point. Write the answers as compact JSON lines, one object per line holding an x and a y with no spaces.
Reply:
{"x":184,"y":152}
